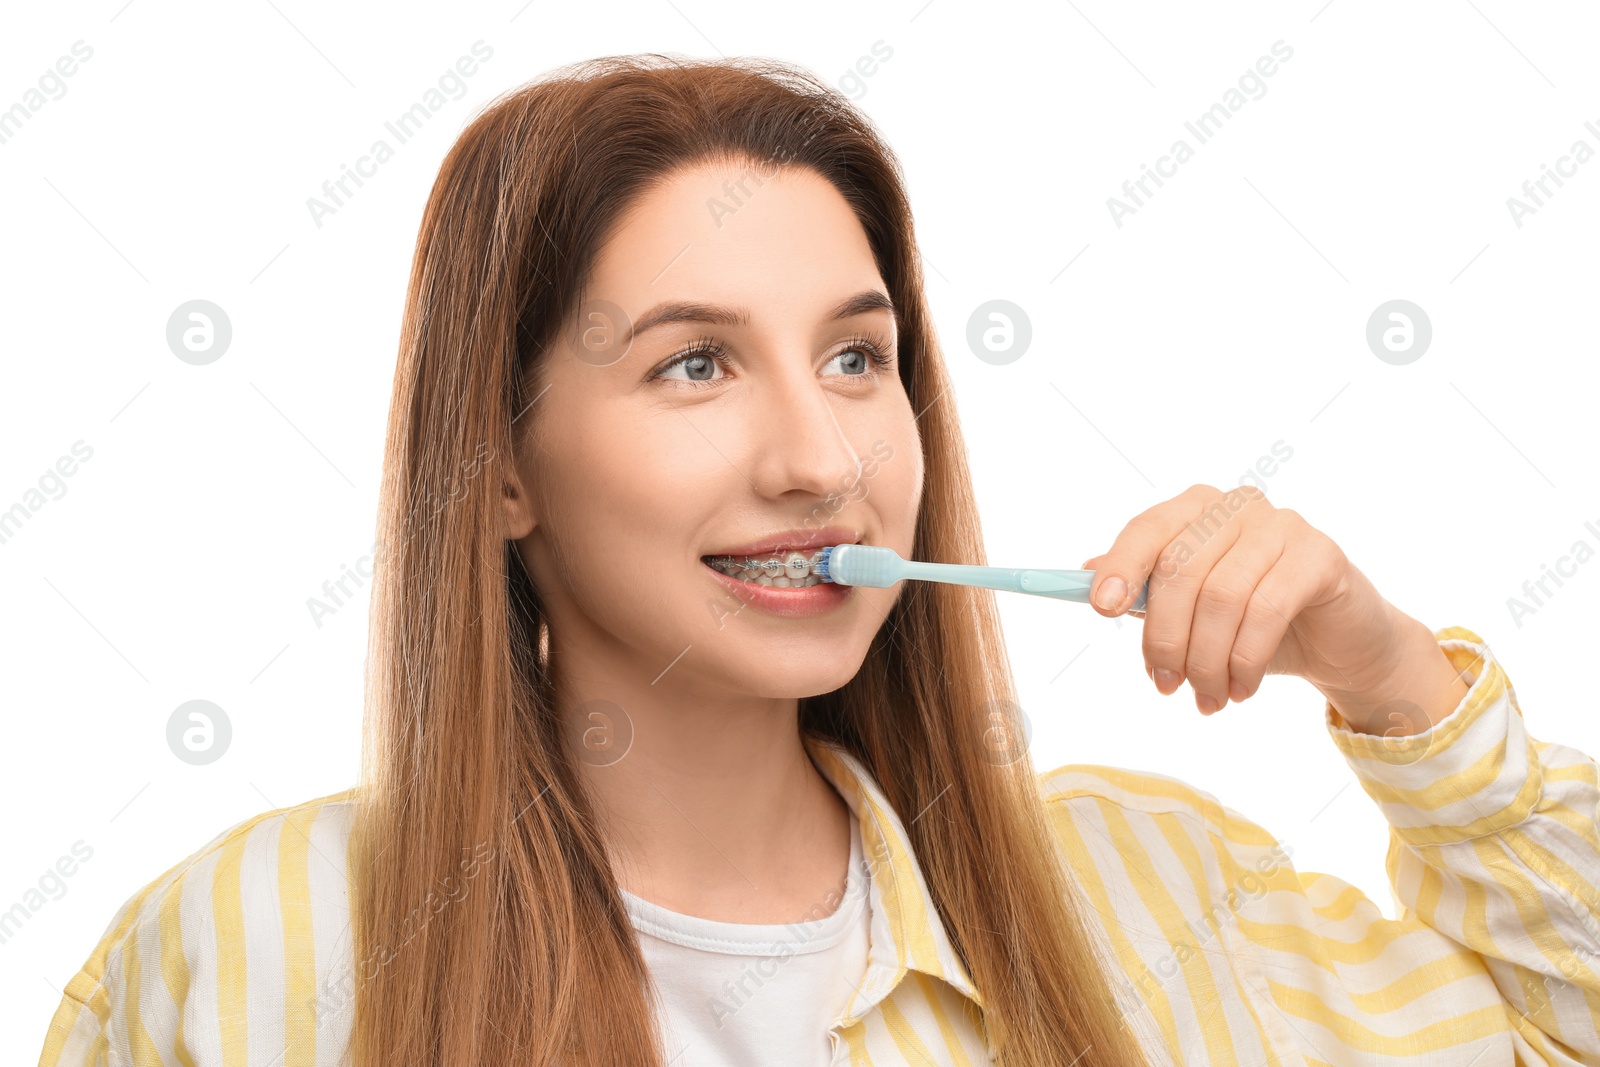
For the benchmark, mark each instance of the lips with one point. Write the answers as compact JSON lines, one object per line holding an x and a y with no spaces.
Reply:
{"x":801,"y":540}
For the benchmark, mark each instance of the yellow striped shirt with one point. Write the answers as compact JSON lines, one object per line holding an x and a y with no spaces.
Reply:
{"x":240,"y":955}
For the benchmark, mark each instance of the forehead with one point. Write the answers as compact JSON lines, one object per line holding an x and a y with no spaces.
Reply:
{"x":779,"y":240}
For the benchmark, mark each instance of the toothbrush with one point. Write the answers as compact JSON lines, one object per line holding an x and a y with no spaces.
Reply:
{"x":877,"y":567}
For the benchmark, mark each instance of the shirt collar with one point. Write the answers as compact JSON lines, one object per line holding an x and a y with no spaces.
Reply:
{"x":906,"y":933}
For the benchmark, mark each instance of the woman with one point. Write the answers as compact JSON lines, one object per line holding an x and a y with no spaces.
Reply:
{"x":626,"y":803}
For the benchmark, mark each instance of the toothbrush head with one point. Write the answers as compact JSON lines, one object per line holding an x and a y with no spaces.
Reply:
{"x":867,"y":565}
{"x":821,"y":569}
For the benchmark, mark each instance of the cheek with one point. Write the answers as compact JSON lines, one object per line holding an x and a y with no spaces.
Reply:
{"x":610,"y":519}
{"x":616,"y":494}
{"x":896,"y":488}
{"x":606,"y":466}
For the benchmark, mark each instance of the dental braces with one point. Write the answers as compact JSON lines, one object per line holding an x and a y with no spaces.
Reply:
{"x":774,"y":567}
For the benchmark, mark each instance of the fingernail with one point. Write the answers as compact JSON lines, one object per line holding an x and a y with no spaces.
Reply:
{"x":1111,"y":593}
{"x":1166,"y":680}
{"x":1206,"y":703}
{"x":1236,"y":689}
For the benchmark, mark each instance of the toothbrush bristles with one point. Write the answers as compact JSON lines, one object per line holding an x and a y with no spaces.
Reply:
{"x":821,"y":569}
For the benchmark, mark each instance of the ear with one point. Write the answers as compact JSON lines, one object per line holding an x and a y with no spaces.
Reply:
{"x":517,"y":507}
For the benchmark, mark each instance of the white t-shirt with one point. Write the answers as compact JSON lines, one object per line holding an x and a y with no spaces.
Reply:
{"x":735,"y":994}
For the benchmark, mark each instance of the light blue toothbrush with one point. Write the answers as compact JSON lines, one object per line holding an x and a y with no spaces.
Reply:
{"x":877,"y":567}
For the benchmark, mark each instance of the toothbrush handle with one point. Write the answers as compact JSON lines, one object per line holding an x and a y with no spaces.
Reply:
{"x":1058,"y":584}
{"x":1070,"y":585}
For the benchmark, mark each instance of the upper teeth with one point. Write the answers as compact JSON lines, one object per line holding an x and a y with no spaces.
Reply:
{"x":794,"y":565}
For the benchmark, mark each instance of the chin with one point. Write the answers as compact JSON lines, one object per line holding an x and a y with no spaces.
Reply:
{"x":803,"y":679}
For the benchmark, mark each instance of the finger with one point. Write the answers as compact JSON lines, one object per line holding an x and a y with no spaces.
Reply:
{"x":1133,"y":554}
{"x":1169,"y":613}
{"x":1281,"y":595}
{"x":1219,"y":608}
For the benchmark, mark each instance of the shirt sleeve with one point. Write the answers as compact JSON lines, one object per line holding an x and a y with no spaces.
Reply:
{"x":108,"y":1016}
{"x":82,"y":1031}
{"x":1494,"y":841}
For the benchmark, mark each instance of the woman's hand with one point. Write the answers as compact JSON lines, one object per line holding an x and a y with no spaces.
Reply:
{"x":1240,"y":589}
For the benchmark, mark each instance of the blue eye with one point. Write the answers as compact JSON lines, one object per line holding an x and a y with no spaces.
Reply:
{"x":699,"y":360}
{"x":875,"y":351}
{"x":697,"y":365}
{"x":860,"y":355}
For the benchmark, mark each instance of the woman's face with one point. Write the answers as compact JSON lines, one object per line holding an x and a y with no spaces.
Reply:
{"x":643,"y":462}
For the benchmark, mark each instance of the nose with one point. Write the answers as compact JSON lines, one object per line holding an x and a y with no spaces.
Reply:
{"x":799,"y":444}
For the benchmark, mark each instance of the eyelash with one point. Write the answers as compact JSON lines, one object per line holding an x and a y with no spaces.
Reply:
{"x":875,"y":348}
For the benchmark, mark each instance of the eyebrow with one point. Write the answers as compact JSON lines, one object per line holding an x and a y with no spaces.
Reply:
{"x":717,"y":314}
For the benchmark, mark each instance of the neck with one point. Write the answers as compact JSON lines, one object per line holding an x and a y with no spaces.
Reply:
{"x":715,"y":808}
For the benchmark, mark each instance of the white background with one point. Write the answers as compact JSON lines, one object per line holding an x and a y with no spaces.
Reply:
{"x":1227,"y":314}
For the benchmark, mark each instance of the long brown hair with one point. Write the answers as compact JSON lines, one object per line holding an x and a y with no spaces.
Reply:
{"x":471,"y":814}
